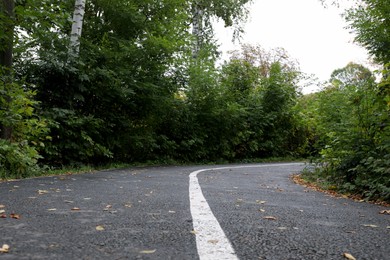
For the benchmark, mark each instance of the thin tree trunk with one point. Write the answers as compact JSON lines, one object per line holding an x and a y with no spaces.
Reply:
{"x":7,"y":7}
{"x":77,"y":26}
{"x":197,"y":28}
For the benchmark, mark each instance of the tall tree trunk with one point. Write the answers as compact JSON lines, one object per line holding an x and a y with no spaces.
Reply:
{"x":197,"y":28}
{"x":77,"y":26}
{"x":7,"y":8}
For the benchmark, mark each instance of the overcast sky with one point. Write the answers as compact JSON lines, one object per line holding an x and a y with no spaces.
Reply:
{"x":313,"y":35}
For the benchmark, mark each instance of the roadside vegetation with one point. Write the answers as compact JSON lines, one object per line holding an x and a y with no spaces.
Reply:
{"x":144,"y":86}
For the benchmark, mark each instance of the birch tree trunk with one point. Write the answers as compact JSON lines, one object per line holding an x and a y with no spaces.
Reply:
{"x":197,"y":28}
{"x":77,"y":26}
{"x":7,"y":7}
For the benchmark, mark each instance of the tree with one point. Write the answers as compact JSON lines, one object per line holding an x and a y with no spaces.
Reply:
{"x":6,"y":47}
{"x":77,"y":27}
{"x":232,"y":12}
{"x":370,"y":21}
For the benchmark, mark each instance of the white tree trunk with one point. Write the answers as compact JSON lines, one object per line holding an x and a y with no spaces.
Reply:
{"x":77,"y":26}
{"x":197,"y":28}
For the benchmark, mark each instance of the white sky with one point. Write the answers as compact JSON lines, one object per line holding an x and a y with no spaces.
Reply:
{"x":313,"y":35}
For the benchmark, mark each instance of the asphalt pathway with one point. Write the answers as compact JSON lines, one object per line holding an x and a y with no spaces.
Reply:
{"x":148,"y":213}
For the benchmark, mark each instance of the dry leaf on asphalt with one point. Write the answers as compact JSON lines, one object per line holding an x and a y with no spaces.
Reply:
{"x":99,"y":228}
{"x":260,"y":201}
{"x":147,"y":251}
{"x":349,"y":256}
{"x":4,"y":248}
{"x":2,"y":206}
{"x":270,"y":218}
{"x":75,"y":209}
{"x":386,"y":212}
{"x":2,"y":211}
{"x":370,"y":225}
{"x":15,"y":216}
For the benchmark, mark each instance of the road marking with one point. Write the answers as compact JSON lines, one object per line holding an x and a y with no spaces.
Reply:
{"x":211,"y":241}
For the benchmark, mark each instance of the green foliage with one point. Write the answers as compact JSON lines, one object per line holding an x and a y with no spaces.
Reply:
{"x":351,"y":121}
{"x":19,"y":154}
{"x":369,"y":20}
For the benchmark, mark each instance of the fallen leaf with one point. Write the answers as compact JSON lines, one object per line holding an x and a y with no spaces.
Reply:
{"x":99,"y":228}
{"x":75,"y":209}
{"x":147,"y":251}
{"x":270,"y":218}
{"x":2,"y":206}
{"x":262,"y":210}
{"x":3,"y":216}
{"x":2,"y":211}
{"x":260,"y":201}
{"x":15,"y":216}
{"x":388,"y":227}
{"x":386,"y":212}
{"x":349,"y":256}
{"x":4,"y":248}
{"x":40,"y":192}
{"x":370,"y":225}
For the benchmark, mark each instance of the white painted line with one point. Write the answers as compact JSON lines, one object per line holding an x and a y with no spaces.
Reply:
{"x":211,"y":241}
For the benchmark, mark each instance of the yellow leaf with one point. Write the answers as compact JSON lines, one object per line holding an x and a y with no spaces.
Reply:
{"x":349,"y":256}
{"x":99,"y":228}
{"x":147,"y":251}
{"x":270,"y":218}
{"x":370,"y":225}
{"x":4,"y":248}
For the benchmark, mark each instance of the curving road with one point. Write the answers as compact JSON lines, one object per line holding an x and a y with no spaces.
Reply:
{"x":222,"y":212}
